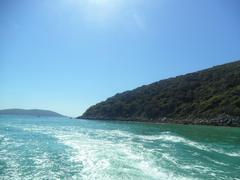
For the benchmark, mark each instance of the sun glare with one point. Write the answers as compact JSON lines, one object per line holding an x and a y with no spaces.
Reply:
{"x":98,"y":11}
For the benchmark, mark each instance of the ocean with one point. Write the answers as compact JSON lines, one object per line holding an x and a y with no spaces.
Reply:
{"x":63,"y":148}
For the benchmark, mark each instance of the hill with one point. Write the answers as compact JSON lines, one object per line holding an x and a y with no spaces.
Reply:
{"x":32,"y":112}
{"x":210,"y":96}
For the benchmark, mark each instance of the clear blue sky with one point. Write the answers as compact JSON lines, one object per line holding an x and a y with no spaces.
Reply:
{"x":66,"y":55}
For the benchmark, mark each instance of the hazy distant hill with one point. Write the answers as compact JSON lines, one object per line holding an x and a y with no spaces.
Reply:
{"x":33,"y":112}
{"x":210,"y":96}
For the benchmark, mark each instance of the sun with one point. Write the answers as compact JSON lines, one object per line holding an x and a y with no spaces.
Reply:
{"x":104,"y":8}
{"x":98,"y":11}
{"x":101,"y":2}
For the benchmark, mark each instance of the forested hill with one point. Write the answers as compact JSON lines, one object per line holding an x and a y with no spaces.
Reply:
{"x":210,"y":96}
{"x":31,"y":112}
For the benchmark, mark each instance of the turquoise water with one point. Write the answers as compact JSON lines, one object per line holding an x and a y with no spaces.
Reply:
{"x":62,"y":148}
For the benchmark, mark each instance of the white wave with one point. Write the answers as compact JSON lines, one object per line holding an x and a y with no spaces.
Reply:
{"x":1,"y":136}
{"x":169,"y":158}
{"x":99,"y":153}
{"x":100,"y":157}
{"x":119,"y":133}
{"x":86,"y":152}
{"x":8,"y":157}
{"x":178,"y":139}
{"x":218,"y":162}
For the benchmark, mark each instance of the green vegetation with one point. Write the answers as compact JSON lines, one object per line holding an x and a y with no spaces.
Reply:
{"x":204,"y":95}
{"x":29,"y":112}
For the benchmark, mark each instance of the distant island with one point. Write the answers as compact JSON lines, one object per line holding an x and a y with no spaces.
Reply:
{"x":31,"y":112}
{"x":208,"y":97}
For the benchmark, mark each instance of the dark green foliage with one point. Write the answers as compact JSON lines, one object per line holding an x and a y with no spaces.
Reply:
{"x":31,"y":112}
{"x":203,"y":94}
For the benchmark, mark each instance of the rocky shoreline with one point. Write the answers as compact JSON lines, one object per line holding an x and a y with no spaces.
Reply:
{"x":220,"y":120}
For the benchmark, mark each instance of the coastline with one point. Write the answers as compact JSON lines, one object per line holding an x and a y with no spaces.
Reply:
{"x":220,"y":120}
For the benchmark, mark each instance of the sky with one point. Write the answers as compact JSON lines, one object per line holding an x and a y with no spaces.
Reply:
{"x":66,"y":55}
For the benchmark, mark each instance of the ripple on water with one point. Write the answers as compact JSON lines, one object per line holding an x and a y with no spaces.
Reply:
{"x":75,"y":152}
{"x":101,"y":157}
